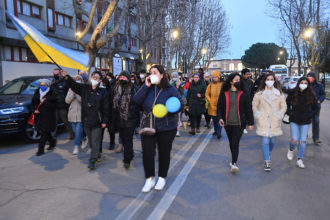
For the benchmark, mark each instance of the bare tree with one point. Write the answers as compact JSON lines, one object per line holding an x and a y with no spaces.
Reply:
{"x":99,"y":36}
{"x":203,"y":31}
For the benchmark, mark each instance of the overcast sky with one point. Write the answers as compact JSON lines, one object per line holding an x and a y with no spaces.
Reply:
{"x":249,"y":24}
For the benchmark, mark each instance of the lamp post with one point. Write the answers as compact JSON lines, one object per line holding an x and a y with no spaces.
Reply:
{"x":77,"y":44}
{"x":204,"y":52}
{"x":175,"y":35}
{"x":308,"y":36}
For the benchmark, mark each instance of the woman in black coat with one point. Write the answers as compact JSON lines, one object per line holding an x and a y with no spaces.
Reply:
{"x":44,"y":108}
{"x":125,"y":114}
{"x":196,"y":103}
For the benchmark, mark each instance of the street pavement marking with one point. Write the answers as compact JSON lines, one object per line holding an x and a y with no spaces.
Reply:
{"x":141,"y":198}
{"x":170,"y":194}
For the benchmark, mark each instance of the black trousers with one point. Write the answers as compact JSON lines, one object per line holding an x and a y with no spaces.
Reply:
{"x":63,"y":115}
{"x":164,"y":142}
{"x":44,"y":137}
{"x":101,"y":141}
{"x":207,"y":117}
{"x":195,"y":121}
{"x":234,"y":133}
{"x":127,"y":136}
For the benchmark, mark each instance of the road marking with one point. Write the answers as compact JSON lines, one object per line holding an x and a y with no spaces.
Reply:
{"x":170,"y":194}
{"x":141,"y":198}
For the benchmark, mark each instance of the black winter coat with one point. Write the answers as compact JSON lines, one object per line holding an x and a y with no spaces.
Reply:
{"x":245,"y":113}
{"x":301,"y":113}
{"x":196,"y":104}
{"x":45,"y":121}
{"x":60,"y":89}
{"x":133,"y":117}
{"x":94,"y":103}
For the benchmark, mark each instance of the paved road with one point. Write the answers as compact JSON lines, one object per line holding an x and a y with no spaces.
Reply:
{"x":200,"y":186}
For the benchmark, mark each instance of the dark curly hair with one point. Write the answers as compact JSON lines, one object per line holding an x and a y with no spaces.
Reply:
{"x":226,"y":85}
{"x":164,"y":83}
{"x":310,"y":94}
{"x":263,"y":82}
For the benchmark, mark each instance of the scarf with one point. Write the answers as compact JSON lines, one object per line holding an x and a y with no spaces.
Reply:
{"x":121,"y":100}
{"x":42,"y":94}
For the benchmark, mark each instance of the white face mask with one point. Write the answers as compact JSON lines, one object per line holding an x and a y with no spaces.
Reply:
{"x":154,"y":79}
{"x":142,"y":76}
{"x":292,"y":86}
{"x":269,"y":83}
{"x":303,"y":86}
{"x":78,"y":81}
{"x":94,"y":82}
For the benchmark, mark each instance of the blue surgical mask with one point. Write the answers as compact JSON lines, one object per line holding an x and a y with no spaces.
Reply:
{"x":83,"y":77}
{"x":43,"y":88}
{"x":78,"y":81}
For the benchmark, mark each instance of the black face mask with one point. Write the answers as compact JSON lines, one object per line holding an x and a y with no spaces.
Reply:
{"x":56,"y":77}
{"x":237,"y":85}
{"x":123,"y":82}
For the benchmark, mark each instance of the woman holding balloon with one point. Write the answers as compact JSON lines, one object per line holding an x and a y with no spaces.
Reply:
{"x":196,"y":103}
{"x":152,"y":97}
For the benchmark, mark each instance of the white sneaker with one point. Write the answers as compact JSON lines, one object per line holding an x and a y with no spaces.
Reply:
{"x":290,"y":155}
{"x":75,"y":150}
{"x":160,"y":183}
{"x":234,"y":168}
{"x":178,"y":134}
{"x":150,"y":183}
{"x":300,"y":164}
{"x":245,"y":131}
{"x":84,"y":143}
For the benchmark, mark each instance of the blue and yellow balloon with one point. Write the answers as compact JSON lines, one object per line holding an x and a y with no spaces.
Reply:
{"x":173,"y":105}
{"x":159,"y":111}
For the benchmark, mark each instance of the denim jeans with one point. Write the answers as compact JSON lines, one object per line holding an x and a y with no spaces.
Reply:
{"x":94,"y":137}
{"x":267,"y":145}
{"x":316,"y":125}
{"x":217,"y":127}
{"x":299,"y":135}
{"x":78,"y":131}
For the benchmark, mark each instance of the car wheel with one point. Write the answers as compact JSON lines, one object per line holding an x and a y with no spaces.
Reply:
{"x":31,"y":134}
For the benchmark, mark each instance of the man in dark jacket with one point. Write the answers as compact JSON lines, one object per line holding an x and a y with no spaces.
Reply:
{"x":60,"y":89}
{"x":247,"y":82}
{"x":94,"y":111}
{"x":320,"y":96}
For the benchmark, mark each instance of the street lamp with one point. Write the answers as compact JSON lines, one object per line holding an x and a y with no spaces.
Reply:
{"x":281,"y":52}
{"x":308,"y":33}
{"x":175,"y":34}
{"x":204,"y":51}
{"x":278,"y":58}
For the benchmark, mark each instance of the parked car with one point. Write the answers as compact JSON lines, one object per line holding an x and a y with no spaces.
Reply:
{"x":16,"y":107}
{"x":290,"y":83}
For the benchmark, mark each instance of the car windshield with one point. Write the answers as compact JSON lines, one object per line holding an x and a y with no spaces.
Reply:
{"x":20,"y":86}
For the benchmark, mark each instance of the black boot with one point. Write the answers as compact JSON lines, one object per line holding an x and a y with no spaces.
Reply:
{"x":112,"y":146}
{"x":92,"y":164}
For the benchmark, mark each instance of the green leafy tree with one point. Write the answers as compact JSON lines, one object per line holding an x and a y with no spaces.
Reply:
{"x":262,"y":55}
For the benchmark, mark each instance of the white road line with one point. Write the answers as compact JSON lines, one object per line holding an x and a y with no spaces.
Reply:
{"x":169,"y":196}
{"x":141,"y":198}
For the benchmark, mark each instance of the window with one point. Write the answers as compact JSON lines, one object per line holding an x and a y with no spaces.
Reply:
{"x":231,"y":67}
{"x":134,"y":42}
{"x":239,"y":66}
{"x":20,"y":54}
{"x":133,"y":19}
{"x":51,"y":15}
{"x":64,"y":20}
{"x":28,"y":9}
{"x":10,"y":6}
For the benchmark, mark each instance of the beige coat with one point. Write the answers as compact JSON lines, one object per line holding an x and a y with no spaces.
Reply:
{"x":269,"y":109}
{"x":74,"y":100}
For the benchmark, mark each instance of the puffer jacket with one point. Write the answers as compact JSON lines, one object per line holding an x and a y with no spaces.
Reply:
{"x":145,"y":98}
{"x":74,"y":100}
{"x":212,"y":96}
{"x":268,"y":112}
{"x":94,"y":103}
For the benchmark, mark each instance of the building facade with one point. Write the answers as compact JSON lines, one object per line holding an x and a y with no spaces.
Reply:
{"x":225,"y":65}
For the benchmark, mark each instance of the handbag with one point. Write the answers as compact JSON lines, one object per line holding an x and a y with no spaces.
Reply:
{"x":31,"y":119}
{"x":148,"y":124}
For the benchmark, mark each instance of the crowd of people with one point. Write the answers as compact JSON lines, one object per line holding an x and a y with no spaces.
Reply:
{"x":125,"y":104}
